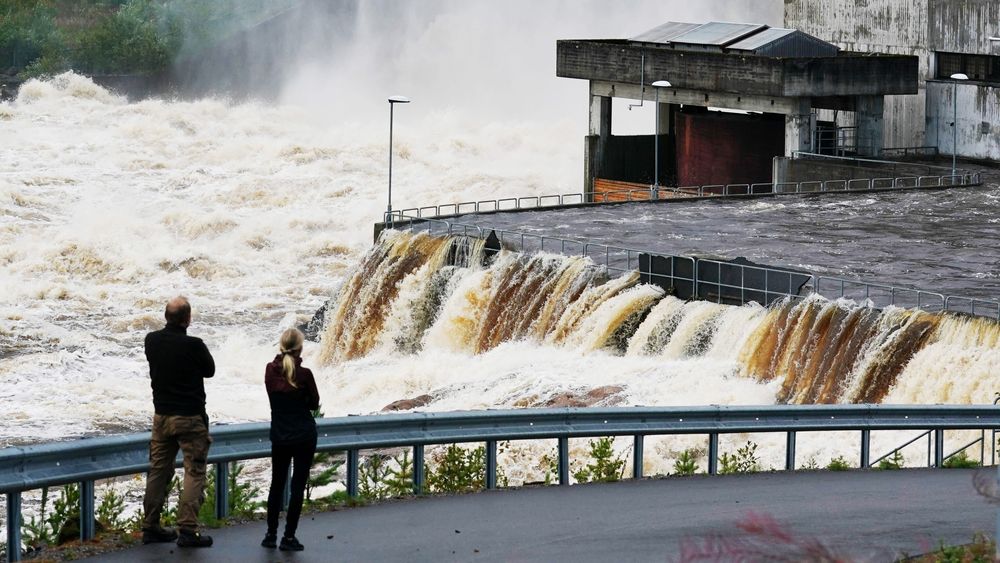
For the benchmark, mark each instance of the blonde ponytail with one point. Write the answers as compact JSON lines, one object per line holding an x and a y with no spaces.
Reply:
{"x":291,"y":342}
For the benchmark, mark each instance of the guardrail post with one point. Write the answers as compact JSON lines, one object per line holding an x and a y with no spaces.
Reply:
{"x":86,"y":510}
{"x":14,"y":526}
{"x":866,"y":451}
{"x":222,"y":490}
{"x":713,"y":453}
{"x":790,"y":451}
{"x":564,"y":461}
{"x":637,"y":457}
{"x":491,"y":464}
{"x":418,"y":469}
{"x":939,"y":448}
{"x":352,"y":473}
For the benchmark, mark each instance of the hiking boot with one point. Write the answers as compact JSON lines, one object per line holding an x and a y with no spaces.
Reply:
{"x":158,"y":534}
{"x":188,"y":538}
{"x":270,"y":540}
{"x":290,"y":544}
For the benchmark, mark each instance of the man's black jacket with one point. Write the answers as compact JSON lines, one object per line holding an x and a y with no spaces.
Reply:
{"x":178,"y":366}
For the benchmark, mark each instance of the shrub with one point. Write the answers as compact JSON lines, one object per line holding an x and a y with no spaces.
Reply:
{"x":895,"y":461}
{"x":685,"y":464}
{"x":46,"y":527}
{"x":604,"y":466}
{"x":838,"y":464}
{"x":960,"y":461}
{"x":457,"y":470}
{"x":745,"y":460}
{"x":110,"y":511}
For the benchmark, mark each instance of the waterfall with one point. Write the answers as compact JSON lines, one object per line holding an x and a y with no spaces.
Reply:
{"x":415,"y":291}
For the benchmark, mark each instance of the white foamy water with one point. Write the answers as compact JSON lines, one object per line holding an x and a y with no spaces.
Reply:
{"x":107,"y":208}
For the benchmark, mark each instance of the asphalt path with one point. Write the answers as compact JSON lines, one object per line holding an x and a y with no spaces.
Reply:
{"x":857,"y":515}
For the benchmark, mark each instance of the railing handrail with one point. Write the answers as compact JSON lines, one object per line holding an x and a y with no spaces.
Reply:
{"x":30,"y":467}
{"x":84,"y":461}
{"x":708,"y":190}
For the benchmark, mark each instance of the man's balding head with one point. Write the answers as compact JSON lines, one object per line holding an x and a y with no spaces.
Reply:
{"x":178,"y":311}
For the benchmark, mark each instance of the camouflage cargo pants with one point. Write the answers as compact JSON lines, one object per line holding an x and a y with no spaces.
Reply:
{"x":189,"y":434}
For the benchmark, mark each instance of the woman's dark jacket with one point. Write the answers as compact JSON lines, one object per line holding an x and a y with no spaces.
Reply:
{"x":291,"y":407}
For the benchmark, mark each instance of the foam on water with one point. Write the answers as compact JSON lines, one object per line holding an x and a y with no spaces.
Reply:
{"x":108,"y":208}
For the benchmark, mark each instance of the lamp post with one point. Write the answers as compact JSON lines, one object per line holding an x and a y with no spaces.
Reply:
{"x":655,"y":191}
{"x":393,"y":100}
{"x":954,"y":121}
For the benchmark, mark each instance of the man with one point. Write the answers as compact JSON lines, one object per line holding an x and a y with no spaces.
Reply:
{"x":178,"y":366}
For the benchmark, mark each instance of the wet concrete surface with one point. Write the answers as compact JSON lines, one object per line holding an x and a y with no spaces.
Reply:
{"x":859,"y":515}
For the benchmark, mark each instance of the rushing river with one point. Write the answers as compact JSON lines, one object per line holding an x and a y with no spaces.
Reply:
{"x":260,"y":213}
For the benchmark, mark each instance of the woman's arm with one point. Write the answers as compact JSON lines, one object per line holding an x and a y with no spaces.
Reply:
{"x":312,"y":393}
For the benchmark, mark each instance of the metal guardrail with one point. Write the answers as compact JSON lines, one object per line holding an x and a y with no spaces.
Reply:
{"x":84,"y":461}
{"x":622,"y":259}
{"x":675,"y":192}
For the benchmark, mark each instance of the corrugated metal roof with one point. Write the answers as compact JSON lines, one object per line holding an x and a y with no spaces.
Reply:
{"x":665,"y":33}
{"x":718,"y":33}
{"x":750,"y":38}
{"x":761,"y":38}
{"x":781,"y":42}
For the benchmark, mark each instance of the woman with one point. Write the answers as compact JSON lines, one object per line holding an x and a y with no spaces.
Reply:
{"x":291,"y":390}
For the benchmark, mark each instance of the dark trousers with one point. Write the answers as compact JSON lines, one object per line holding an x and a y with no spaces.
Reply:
{"x":281,"y":456}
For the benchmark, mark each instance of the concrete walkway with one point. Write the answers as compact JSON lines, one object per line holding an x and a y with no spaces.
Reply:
{"x":862,"y":515}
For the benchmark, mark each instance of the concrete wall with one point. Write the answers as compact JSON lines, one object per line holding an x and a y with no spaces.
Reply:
{"x":620,"y":62}
{"x":814,"y":170}
{"x":964,"y":26}
{"x":978,"y":118}
{"x":882,"y":26}
{"x":917,"y":27}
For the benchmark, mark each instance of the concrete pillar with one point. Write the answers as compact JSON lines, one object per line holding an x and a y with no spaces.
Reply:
{"x":870,"y":130}
{"x":798,"y":127}
{"x":664,"y":125}
{"x":600,"y":127}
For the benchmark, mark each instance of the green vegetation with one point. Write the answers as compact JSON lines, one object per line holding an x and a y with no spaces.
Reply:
{"x":960,"y":461}
{"x":381,"y":476}
{"x":40,"y":37}
{"x":838,"y":464}
{"x":745,"y":460}
{"x":605,"y":467}
{"x":459,"y":470}
{"x":980,"y":550}
{"x":686,"y":463}
{"x":895,"y":461}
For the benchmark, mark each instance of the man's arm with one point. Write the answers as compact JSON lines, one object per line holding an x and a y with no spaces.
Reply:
{"x":206,"y":360}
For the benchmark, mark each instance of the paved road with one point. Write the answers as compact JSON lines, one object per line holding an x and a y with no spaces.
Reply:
{"x":867,"y":516}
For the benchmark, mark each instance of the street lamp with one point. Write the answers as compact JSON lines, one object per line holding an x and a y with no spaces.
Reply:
{"x":393,"y":100}
{"x":655,"y":192}
{"x":954,"y":120}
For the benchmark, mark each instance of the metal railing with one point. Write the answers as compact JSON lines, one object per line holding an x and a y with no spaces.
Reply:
{"x":904,"y":152}
{"x":84,"y":461}
{"x":619,"y":260}
{"x":964,"y":179}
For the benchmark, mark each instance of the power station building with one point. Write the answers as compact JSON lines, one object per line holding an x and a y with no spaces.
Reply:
{"x":865,"y":78}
